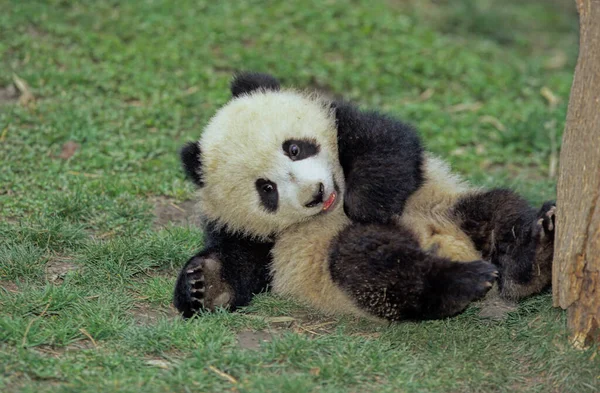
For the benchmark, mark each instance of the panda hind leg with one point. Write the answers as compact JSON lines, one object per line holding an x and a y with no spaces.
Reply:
{"x":386,"y":273}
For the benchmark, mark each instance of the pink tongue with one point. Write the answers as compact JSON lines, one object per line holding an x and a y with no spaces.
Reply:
{"x":327,"y":204}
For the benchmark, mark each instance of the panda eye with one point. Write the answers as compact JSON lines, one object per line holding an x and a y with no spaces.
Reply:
{"x":299,"y":149}
{"x":268,"y":188}
{"x":294,"y":150}
{"x":267,"y":193}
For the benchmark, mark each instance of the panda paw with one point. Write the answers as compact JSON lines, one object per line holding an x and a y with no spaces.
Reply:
{"x":204,"y":286}
{"x":195,"y":281}
{"x":545,"y":224}
{"x":460,"y":284}
{"x":521,"y":275}
{"x":475,"y":279}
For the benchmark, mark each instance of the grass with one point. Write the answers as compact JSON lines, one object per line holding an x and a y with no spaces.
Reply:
{"x":91,"y":228}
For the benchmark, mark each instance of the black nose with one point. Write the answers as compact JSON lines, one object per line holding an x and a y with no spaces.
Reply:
{"x":317,"y":197}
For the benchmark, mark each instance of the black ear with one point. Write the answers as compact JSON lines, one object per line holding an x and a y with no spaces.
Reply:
{"x":246,"y":82}
{"x":192,"y":164}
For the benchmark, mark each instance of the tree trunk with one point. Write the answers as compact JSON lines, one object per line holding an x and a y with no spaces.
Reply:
{"x":576,"y":272}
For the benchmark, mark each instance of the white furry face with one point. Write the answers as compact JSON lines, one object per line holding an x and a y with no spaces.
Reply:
{"x":269,"y":161}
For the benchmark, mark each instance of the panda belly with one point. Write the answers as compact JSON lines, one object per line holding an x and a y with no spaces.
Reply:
{"x":428,"y":213}
{"x":300,"y":266}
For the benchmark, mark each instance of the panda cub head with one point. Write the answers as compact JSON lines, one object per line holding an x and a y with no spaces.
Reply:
{"x":267,"y":160}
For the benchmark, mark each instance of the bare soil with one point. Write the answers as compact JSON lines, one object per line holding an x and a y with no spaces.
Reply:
{"x":57,"y":268}
{"x":8,"y":95}
{"x":168,"y":212}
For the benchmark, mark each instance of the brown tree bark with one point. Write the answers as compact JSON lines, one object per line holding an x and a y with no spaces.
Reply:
{"x":576,"y":271}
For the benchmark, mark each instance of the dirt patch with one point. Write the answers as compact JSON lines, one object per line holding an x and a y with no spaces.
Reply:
{"x":8,"y":95}
{"x":9,"y":286}
{"x":146,"y":314}
{"x":69,"y":149}
{"x":494,"y":307}
{"x":168,"y":212}
{"x":35,"y":32}
{"x":57,"y":268}
{"x":248,"y":339}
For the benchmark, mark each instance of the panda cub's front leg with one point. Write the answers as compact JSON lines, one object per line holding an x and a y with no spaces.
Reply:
{"x":226,"y":273}
{"x":384,"y":270}
{"x":201,"y":287}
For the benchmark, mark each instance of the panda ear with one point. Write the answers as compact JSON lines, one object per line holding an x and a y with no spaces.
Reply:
{"x":192,"y":162}
{"x":246,"y":82}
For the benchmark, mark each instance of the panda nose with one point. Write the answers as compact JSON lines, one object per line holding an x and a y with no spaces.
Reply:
{"x":317,"y":197}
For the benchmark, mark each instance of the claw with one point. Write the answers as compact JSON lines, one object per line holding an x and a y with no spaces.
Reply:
{"x":200,"y":280}
{"x":190,"y":271}
{"x":549,"y":216}
{"x":197,"y":290}
{"x":550,"y":220}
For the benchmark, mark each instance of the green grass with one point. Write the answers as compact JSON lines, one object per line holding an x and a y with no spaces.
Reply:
{"x":86,"y":271}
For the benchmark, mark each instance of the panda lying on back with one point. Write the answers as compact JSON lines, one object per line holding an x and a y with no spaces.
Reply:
{"x":342,"y":209}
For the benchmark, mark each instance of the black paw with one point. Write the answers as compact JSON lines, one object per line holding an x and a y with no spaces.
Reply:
{"x":461,"y":283}
{"x":201,"y":287}
{"x":474,"y":279}
{"x":545,"y":224}
{"x":527,"y":269}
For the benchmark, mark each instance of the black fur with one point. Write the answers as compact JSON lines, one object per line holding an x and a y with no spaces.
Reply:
{"x":382,"y":160}
{"x":508,"y":232}
{"x":247,"y":82}
{"x":489,"y":218}
{"x":383,"y":268}
{"x":244,"y":268}
{"x":306,"y":149}
{"x":191,"y":161}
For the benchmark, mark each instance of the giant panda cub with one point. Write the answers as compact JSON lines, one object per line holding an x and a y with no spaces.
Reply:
{"x":342,"y":209}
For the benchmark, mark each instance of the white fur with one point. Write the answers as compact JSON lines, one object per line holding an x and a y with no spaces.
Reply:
{"x":297,"y":181}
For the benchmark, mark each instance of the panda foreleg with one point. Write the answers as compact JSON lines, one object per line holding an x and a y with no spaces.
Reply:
{"x":382,"y":160}
{"x":226,"y":273}
{"x":200,"y":286}
{"x":386,"y":273}
{"x":512,"y":235}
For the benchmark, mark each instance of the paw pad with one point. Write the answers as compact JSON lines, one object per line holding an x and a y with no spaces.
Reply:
{"x":206,"y":288}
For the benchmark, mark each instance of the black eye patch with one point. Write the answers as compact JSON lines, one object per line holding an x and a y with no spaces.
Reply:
{"x":299,"y":149}
{"x":269,"y":197}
